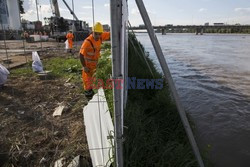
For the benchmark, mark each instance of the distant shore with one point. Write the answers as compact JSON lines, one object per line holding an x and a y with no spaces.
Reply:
{"x":190,"y":32}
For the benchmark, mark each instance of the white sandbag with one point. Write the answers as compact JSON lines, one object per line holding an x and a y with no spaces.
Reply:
{"x":36,"y":37}
{"x":66,"y":44}
{"x":99,"y":129}
{"x":37,"y":65}
{"x":3,"y":74}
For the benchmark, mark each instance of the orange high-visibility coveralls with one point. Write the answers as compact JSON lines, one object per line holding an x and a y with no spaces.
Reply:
{"x":90,"y":50}
{"x":70,"y":38}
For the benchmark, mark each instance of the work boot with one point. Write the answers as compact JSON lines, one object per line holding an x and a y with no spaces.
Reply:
{"x":89,"y":93}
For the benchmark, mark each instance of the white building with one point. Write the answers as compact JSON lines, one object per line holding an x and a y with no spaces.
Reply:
{"x":10,"y":15}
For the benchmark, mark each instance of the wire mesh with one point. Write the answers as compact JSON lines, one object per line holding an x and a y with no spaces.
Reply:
{"x":35,"y":117}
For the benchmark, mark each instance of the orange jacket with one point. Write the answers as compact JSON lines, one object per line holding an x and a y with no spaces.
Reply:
{"x":90,"y":49}
{"x":70,"y":36}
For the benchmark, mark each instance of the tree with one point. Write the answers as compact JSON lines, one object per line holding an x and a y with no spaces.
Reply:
{"x":21,"y":6}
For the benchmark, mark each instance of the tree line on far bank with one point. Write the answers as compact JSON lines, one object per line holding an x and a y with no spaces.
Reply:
{"x":210,"y":30}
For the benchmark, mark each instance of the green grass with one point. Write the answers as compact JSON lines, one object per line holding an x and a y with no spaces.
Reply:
{"x":26,"y":70}
{"x":104,"y":72}
{"x":65,"y":68}
{"x":105,"y":46}
{"x":155,"y":135}
{"x":60,"y":68}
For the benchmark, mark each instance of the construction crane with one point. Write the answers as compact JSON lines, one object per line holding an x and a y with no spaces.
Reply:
{"x":59,"y":26}
{"x":55,"y":8}
{"x":71,"y":11}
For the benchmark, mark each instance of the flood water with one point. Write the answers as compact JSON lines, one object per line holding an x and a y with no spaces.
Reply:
{"x":212,"y":76}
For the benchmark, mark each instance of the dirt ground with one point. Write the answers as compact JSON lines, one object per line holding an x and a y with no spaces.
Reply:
{"x":30,"y":135}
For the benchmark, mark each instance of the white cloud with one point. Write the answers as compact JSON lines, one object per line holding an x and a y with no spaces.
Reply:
{"x":46,"y":9}
{"x":242,"y":10}
{"x":87,"y":7}
{"x":30,"y":12}
{"x":202,"y":10}
{"x":106,"y":5}
{"x":32,"y":3}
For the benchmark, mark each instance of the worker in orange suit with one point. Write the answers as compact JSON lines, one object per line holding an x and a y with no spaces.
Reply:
{"x":89,"y":55}
{"x":70,"y":38}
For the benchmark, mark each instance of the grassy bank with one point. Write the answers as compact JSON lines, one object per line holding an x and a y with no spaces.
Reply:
{"x":104,"y":72}
{"x":155,"y":135}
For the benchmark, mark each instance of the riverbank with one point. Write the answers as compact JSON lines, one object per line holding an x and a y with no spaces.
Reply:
{"x":154,"y":134}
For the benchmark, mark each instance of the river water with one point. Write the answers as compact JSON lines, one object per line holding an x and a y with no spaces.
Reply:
{"x":212,"y":76}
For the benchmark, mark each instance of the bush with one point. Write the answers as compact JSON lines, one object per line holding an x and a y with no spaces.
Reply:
{"x":155,"y":135}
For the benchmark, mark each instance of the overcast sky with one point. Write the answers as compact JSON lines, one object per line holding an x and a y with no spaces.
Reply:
{"x":161,"y":12}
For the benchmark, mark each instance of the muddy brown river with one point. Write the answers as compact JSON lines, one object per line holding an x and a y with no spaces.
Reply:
{"x":212,"y":76}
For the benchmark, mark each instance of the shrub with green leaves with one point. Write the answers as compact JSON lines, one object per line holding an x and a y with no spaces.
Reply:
{"x":104,"y":72}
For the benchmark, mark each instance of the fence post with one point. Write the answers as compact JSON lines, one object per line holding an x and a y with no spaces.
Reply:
{"x":116,"y":19}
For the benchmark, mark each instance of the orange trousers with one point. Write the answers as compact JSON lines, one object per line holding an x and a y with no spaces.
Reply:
{"x":70,"y":41}
{"x":87,"y":78}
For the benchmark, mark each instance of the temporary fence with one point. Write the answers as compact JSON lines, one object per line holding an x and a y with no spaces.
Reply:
{"x":119,"y":44}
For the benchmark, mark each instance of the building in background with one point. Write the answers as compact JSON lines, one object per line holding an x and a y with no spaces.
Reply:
{"x":10,"y":15}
